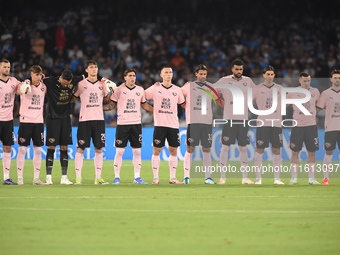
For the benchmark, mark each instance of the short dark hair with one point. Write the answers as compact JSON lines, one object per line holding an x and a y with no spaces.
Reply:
{"x":201,"y":67}
{"x":335,"y":71}
{"x":237,"y":62}
{"x":4,"y":61}
{"x":67,"y":75}
{"x":268,"y":68}
{"x":304,"y":74}
{"x":166,"y":66}
{"x":90,"y":62}
{"x":129,"y":70}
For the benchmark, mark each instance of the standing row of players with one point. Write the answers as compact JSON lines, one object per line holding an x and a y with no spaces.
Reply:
{"x":305,"y":131}
{"x":61,"y":91}
{"x":128,"y":98}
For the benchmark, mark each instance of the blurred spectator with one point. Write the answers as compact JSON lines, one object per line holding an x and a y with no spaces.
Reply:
{"x":292,"y":45}
{"x":75,"y":51}
{"x":91,"y":38}
{"x":74,"y":62}
{"x":38,"y":44}
{"x":106,"y":71}
{"x":123,"y":45}
{"x":48,"y":60}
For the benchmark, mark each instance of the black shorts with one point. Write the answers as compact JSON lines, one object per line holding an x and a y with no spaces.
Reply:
{"x":6,"y":133}
{"x":131,"y":133}
{"x":331,"y":137}
{"x":307,"y":135}
{"x":162,"y":133}
{"x":28,"y":131}
{"x":235,"y":131}
{"x":58,"y":131}
{"x":94,"y":129}
{"x":199,"y":132}
{"x":264,"y":135}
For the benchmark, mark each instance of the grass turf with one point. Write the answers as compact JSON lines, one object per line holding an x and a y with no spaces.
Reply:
{"x":166,"y":219}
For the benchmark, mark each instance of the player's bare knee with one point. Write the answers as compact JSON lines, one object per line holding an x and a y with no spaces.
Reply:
{"x":98,"y":150}
{"x":80,"y":150}
{"x":7,"y":148}
{"x":173,"y":151}
{"x":295,"y":153}
{"x":329,"y":152}
{"x":276,"y":151}
{"x":204,"y":149}
{"x":156,"y":151}
{"x":260,"y":150}
{"x":62,"y":147}
{"x":190,"y":149}
{"x":242,"y":148}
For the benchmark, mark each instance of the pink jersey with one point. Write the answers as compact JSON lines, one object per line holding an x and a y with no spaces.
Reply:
{"x":165,"y":104}
{"x":91,"y":98}
{"x":330,"y":100}
{"x":302,"y":119}
{"x":32,"y":104}
{"x":128,"y":104}
{"x":194,"y":94}
{"x":7,"y":93}
{"x":244,"y":83}
{"x":263,"y":97}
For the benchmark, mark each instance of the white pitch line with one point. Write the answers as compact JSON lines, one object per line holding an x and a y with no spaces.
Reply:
{"x":164,"y":197}
{"x":167,"y":210}
{"x":161,"y":197}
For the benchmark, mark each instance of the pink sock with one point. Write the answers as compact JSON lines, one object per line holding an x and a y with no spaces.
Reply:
{"x":98,"y":163}
{"x":326,"y":162}
{"x":311,"y":170}
{"x":37,"y":161}
{"x":277,"y":165}
{"x":207,"y":163}
{"x":244,"y":160}
{"x":78,"y":161}
{"x":224,"y":159}
{"x":21,"y":160}
{"x":137,"y":161}
{"x":156,"y":162}
{"x":187,"y":163}
{"x":294,"y":169}
{"x":258,"y":165}
{"x":118,"y":161}
{"x":173,"y":161}
{"x":6,"y":163}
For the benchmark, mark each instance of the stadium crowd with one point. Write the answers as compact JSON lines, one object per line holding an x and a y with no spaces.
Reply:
{"x":67,"y":37}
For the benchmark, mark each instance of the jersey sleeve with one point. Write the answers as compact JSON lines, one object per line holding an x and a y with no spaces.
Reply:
{"x":322,"y":101}
{"x":115,"y":95}
{"x":181,"y":99}
{"x":185,"y":89}
{"x":254,"y":93}
{"x":149,"y":93}
{"x":317,"y":95}
{"x":77,"y":92}
{"x":252,"y":84}
{"x":105,"y":92}
{"x":143,"y":98}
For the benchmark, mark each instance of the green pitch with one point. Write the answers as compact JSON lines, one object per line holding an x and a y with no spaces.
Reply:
{"x":166,"y":219}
